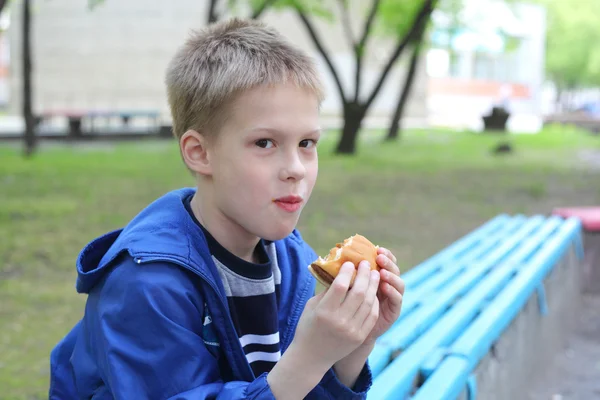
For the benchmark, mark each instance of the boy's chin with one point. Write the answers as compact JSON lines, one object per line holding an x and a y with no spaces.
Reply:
{"x":277,"y":234}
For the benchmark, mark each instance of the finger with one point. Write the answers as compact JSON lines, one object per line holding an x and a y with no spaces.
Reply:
{"x":387,"y":253}
{"x":319,"y":296}
{"x":336,"y":293}
{"x":370,"y":298}
{"x":394,"y":280}
{"x":372,"y":318}
{"x":385,"y":262}
{"x":393,"y":299}
{"x":357,"y":293}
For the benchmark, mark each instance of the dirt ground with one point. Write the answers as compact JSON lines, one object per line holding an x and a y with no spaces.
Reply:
{"x":575,"y":372}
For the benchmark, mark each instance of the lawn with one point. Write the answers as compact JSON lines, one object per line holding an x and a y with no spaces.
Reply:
{"x":415,"y":197}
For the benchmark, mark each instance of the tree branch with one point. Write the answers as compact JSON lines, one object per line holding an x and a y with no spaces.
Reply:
{"x":318,"y":44}
{"x":369,"y":23}
{"x":212,"y":11}
{"x":357,"y":76}
{"x":346,"y":24}
{"x":2,"y":4}
{"x":359,"y":49}
{"x":421,"y":18}
{"x":263,"y":7}
{"x":409,"y":80}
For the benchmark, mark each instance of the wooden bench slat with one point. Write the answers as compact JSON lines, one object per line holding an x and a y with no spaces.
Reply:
{"x":422,"y":271}
{"x":435,"y":304}
{"x":431,"y":306}
{"x":482,"y":240}
{"x":452,"y":268}
{"x":439,"y":325}
{"x":418,"y":286}
{"x":449,"y":379}
{"x":396,"y":380}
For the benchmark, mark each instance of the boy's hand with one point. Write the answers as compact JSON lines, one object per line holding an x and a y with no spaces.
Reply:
{"x":390,"y":294}
{"x":338,"y":320}
{"x":333,"y":325}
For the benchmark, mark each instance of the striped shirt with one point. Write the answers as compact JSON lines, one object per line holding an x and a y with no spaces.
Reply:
{"x":253,"y":295}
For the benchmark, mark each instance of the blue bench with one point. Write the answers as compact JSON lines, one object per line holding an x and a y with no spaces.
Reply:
{"x":459,"y":302}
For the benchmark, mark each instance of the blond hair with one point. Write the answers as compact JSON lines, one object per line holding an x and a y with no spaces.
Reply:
{"x":225,"y":59}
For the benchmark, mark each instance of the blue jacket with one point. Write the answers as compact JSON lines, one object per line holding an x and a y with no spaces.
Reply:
{"x":156,"y":322}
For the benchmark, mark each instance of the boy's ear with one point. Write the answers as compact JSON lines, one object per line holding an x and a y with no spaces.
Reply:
{"x":194,"y":150}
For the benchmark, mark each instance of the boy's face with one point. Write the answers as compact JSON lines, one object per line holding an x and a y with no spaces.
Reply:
{"x":263,"y":162}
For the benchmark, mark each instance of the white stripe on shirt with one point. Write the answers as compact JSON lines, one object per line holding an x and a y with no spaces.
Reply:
{"x":263,"y":356}
{"x":259,"y":339}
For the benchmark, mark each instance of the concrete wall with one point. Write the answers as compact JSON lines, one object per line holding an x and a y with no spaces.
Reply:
{"x":115,"y":56}
{"x":528,"y":345}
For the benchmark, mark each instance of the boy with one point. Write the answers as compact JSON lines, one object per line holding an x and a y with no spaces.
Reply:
{"x":206,"y":292}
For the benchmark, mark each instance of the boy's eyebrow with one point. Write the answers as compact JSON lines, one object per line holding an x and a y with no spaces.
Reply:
{"x":274,"y":131}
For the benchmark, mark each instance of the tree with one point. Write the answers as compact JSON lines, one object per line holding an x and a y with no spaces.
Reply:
{"x":257,"y":8}
{"x":405,"y":89}
{"x":27,"y":108}
{"x":355,"y":106}
{"x":572,"y":59}
{"x":30,"y":125}
{"x":392,"y":14}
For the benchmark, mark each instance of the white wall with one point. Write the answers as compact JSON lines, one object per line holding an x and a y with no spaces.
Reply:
{"x":527,"y":68}
{"x":115,"y":56}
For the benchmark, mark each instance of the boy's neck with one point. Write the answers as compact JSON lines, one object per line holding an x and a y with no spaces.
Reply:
{"x":229,"y":234}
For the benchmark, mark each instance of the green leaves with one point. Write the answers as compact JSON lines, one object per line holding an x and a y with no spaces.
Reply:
{"x":317,"y":8}
{"x":93,"y":3}
{"x":573,"y":57}
{"x":397,"y":16}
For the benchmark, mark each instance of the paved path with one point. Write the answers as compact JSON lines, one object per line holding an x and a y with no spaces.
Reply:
{"x":575,"y":372}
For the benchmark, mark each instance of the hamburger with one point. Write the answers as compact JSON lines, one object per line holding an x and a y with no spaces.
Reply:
{"x":354,"y":249}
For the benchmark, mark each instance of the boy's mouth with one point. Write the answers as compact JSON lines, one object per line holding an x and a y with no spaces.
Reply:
{"x":289,"y":203}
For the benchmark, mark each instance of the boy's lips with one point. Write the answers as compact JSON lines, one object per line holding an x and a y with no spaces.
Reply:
{"x":289,"y":203}
{"x":289,"y":199}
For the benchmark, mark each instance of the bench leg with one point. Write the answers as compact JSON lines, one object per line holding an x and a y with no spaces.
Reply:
{"x":541,"y":293}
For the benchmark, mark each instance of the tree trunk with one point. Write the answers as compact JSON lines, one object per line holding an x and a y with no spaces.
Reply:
{"x":354,"y":114}
{"x":29,"y":134}
{"x":394,"y":129}
{"x":212,"y":11}
{"x":558,"y":99}
{"x":355,"y":110}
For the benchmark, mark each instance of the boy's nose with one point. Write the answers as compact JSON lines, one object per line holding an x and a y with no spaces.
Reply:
{"x":293,"y":169}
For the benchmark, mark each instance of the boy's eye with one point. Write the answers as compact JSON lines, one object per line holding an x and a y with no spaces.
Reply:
{"x":307,"y":143}
{"x":264,"y":143}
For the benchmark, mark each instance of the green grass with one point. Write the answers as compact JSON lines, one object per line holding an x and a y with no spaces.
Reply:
{"x":415,"y":197}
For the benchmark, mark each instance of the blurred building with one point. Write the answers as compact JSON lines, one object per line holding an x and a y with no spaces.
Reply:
{"x":494,"y":55}
{"x":114,"y":58}
{"x":5,"y":61}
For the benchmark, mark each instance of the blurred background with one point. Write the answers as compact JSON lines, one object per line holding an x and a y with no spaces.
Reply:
{"x":440,"y":115}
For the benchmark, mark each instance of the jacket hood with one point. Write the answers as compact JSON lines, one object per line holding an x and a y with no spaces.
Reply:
{"x":163,"y":230}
